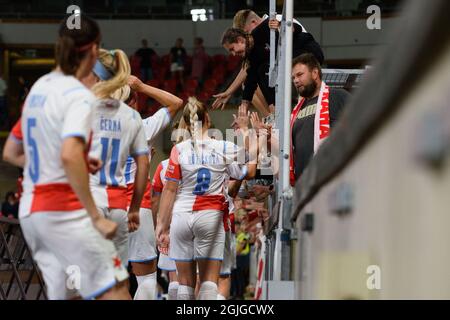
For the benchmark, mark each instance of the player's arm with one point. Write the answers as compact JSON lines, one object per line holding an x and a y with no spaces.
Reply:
{"x":233,"y":188}
{"x":172,"y":102}
{"x":166,"y":204}
{"x":222,"y":98}
{"x":13,"y":152}
{"x":165,"y":215}
{"x":74,"y":163}
{"x":157,"y":187}
{"x":156,"y":197}
{"x":140,"y":182}
{"x":173,"y":177}
{"x":253,"y":155}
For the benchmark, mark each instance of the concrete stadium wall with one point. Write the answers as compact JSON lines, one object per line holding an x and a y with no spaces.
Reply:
{"x":399,"y":210}
{"x":341,"y":39}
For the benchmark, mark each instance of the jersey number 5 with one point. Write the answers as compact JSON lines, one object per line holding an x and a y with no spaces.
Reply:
{"x":203,"y":181}
{"x":33,"y":169}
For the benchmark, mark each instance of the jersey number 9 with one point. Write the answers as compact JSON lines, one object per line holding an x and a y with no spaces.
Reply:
{"x":203,"y":181}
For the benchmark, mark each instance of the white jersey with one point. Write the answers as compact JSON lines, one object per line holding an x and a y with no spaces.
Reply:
{"x":202,"y":174}
{"x":153,"y":126}
{"x":58,"y":106}
{"x":158,"y":178}
{"x":117,"y":133}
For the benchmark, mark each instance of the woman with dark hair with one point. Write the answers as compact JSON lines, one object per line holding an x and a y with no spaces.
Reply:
{"x":58,"y":216}
{"x":250,"y":38}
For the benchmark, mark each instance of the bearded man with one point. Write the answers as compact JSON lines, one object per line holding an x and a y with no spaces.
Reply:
{"x":315,"y":114}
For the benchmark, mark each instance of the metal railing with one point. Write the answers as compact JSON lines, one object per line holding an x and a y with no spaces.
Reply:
{"x":20,"y":278}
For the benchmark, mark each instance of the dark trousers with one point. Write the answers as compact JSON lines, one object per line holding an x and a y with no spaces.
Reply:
{"x":263,"y":83}
{"x":240,"y":276}
{"x":146,"y":73}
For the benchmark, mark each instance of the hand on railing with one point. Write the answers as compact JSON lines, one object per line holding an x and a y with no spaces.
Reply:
{"x":274,"y":24}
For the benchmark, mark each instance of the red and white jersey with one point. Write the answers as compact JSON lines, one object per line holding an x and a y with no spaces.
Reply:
{"x":158,"y":178}
{"x":117,"y":133}
{"x":57,"y":107}
{"x":153,"y":126}
{"x":202,"y":172}
{"x":229,"y":209}
{"x":16,"y":132}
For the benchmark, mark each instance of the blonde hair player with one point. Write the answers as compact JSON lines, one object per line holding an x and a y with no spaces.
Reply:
{"x":193,"y":191}
{"x":117,"y":132}
{"x":58,"y":216}
{"x":143,"y":254}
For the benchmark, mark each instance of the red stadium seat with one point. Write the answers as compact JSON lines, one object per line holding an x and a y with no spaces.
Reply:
{"x":210,"y":85}
{"x":184,"y":96}
{"x":165,"y":59}
{"x":154,"y":83}
{"x":233,"y":63}
{"x":155,"y":60}
{"x":191,"y":83}
{"x":219,"y":59}
{"x":204,"y":96}
{"x":170,"y":85}
{"x":142,"y":101}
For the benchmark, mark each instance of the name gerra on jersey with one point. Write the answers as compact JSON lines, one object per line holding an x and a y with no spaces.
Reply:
{"x":117,"y":133}
{"x":201,"y":172}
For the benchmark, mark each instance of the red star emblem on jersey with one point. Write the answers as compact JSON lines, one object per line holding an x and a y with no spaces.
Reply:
{"x":117,"y":262}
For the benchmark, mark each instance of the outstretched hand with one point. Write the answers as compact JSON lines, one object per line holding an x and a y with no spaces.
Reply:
{"x":221,"y":100}
{"x":242,"y":119}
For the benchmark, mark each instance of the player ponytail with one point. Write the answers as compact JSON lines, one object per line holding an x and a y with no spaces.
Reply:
{"x":113,"y":69}
{"x":194,"y":117}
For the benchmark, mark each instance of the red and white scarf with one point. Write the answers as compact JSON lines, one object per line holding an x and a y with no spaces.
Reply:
{"x":321,"y":123}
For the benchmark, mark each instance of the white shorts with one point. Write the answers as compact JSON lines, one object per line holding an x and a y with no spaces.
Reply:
{"x":165,"y":263}
{"x":120,"y":239}
{"x":225,"y":268}
{"x":197,"y":235}
{"x":72,"y":255}
{"x":143,"y":241}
